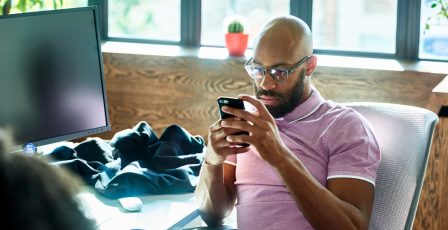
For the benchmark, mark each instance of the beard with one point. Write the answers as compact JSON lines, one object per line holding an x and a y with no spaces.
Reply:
{"x":287,"y":101}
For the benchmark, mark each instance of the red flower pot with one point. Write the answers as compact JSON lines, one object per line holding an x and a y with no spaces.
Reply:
{"x":236,"y":43}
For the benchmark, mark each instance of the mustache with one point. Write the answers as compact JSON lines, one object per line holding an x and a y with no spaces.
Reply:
{"x":270,"y":93}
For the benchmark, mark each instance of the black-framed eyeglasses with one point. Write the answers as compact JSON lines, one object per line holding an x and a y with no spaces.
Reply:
{"x":278,"y":74}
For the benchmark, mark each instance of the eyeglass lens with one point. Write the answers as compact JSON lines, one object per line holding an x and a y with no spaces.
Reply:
{"x":259,"y":72}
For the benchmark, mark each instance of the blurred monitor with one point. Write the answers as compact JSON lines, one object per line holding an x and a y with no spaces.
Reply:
{"x":51,"y":76}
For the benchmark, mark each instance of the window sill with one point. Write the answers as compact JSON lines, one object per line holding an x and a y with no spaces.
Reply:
{"x":323,"y":60}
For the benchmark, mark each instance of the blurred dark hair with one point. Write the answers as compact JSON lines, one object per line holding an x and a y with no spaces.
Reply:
{"x":38,"y":195}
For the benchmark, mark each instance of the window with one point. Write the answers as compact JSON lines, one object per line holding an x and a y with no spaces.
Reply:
{"x":434,"y":37}
{"x":347,"y":27}
{"x":355,"y":25}
{"x":144,"y":19}
{"x":256,"y":12}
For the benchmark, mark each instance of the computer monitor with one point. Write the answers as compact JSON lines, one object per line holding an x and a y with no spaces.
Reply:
{"x":51,"y":76}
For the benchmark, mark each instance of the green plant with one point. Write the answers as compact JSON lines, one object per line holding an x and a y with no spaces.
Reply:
{"x":26,"y":5}
{"x":442,"y":12}
{"x":235,"y":27}
{"x":235,"y":24}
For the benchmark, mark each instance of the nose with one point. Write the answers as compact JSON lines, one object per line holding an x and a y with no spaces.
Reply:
{"x":267,"y":82}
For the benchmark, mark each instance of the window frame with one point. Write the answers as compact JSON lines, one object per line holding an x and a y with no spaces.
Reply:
{"x":407,"y":33}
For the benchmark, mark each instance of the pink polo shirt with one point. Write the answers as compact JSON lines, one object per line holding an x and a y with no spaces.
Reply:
{"x":331,"y":140}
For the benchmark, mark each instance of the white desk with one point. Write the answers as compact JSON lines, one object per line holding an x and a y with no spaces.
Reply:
{"x":158,"y":212}
{"x":198,"y":224}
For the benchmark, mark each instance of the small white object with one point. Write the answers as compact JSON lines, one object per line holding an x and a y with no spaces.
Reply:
{"x":131,"y":204}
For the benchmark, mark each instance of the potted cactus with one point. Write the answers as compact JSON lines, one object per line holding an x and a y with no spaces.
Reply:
{"x":236,"y":39}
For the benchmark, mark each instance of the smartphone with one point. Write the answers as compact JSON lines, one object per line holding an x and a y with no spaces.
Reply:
{"x":231,"y":102}
{"x":234,"y":103}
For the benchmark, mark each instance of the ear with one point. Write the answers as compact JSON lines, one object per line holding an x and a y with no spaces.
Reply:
{"x":311,"y":65}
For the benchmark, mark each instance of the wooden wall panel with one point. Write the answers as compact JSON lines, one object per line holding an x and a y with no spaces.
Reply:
{"x":402,"y":87}
{"x":183,"y":90}
{"x":432,"y":212}
{"x":169,"y":90}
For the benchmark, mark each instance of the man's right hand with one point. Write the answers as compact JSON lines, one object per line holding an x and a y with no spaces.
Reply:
{"x":219,"y":148}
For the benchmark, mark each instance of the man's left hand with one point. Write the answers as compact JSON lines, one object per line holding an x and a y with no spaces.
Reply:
{"x":263,"y":131}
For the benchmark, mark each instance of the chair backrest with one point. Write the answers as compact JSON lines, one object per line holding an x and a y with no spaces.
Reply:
{"x":404,"y":134}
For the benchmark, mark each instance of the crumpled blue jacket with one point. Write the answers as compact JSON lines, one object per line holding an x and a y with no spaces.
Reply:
{"x":136,"y":162}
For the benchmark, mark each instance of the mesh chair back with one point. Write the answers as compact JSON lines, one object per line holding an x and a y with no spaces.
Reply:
{"x":404,"y":134}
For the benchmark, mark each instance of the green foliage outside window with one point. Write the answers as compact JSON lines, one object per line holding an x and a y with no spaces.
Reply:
{"x":131,"y":17}
{"x":442,"y":12}
{"x":21,"y":6}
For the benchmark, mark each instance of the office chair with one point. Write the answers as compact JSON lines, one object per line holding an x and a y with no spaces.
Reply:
{"x":404,"y":134}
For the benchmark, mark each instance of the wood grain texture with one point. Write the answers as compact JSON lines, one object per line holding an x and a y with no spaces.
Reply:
{"x":401,"y":87}
{"x":432,"y":212}
{"x":169,"y":90}
{"x":183,"y":90}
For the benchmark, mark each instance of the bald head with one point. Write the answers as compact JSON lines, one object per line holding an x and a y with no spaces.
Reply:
{"x":286,"y":36}
{"x":284,"y":42}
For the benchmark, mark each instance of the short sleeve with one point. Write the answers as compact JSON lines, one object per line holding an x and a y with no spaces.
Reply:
{"x":231,"y":159}
{"x":353,"y":148}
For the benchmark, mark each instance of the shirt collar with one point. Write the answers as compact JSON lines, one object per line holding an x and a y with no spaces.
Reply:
{"x":308,"y":107}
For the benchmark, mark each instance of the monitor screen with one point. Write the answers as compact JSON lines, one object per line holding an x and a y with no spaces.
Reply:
{"x":51,"y":76}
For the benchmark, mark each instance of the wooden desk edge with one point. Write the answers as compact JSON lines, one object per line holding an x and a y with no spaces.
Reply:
{"x":439,"y":96}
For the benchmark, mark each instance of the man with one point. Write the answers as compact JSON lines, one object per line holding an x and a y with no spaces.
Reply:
{"x":311,"y":163}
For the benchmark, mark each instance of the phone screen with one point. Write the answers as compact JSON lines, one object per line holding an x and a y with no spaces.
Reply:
{"x":234,"y":103}
{"x":231,"y":102}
